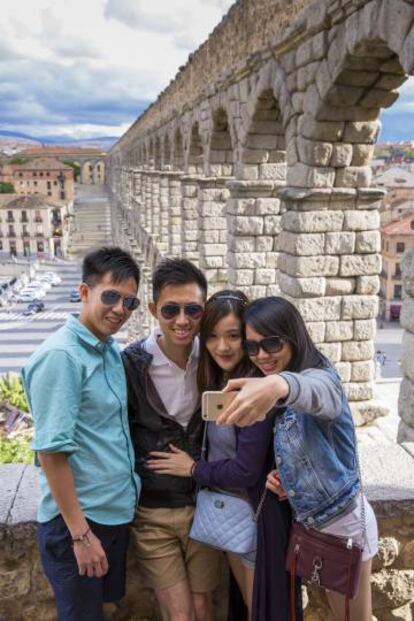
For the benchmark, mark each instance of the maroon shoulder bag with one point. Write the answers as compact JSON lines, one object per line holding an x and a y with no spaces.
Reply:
{"x":326,"y":560}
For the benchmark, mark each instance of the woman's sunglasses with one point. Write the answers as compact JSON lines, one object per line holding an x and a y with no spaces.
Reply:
{"x":169,"y":311}
{"x":270,"y":344}
{"x":110,"y":297}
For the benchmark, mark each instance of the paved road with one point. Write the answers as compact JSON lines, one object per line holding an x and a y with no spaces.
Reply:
{"x":20,"y":335}
{"x":389,"y":340}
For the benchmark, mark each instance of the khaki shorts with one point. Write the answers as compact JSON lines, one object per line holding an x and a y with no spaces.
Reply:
{"x":166,"y":555}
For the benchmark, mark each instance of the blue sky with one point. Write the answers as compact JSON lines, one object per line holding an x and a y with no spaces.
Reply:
{"x":84,"y":68}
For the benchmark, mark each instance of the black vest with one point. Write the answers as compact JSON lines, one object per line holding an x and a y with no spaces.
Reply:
{"x":152,"y":429}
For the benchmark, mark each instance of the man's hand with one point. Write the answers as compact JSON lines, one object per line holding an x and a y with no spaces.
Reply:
{"x":177,"y":463}
{"x":91,"y":559}
{"x":256,"y":397}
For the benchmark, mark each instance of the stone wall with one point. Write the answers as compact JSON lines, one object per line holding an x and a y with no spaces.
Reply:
{"x":254,"y":163}
{"x":406,"y":399}
{"x":388,"y":474}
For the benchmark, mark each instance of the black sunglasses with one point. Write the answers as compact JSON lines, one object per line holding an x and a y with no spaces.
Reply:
{"x":270,"y":344}
{"x":168,"y":311}
{"x":110,"y":297}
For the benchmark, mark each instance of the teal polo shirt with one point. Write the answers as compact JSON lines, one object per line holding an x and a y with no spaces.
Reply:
{"x":76,"y":388}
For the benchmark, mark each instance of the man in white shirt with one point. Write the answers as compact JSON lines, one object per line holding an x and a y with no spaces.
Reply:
{"x":164,"y":414}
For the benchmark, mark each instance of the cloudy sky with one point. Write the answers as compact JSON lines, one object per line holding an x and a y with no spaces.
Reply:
{"x":85,"y":68}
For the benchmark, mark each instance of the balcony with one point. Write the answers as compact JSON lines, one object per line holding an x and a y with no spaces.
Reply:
{"x":11,"y":234}
{"x":25,"y":234}
{"x":39,"y":234}
{"x":38,"y":219}
{"x":24,"y":220}
{"x":10,"y":219}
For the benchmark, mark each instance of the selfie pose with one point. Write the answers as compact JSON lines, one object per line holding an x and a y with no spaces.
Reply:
{"x":236,"y":462}
{"x":315,"y":442}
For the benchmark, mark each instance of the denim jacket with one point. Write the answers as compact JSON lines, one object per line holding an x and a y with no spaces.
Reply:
{"x":315,"y":446}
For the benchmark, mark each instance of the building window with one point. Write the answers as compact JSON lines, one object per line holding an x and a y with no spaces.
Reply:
{"x":40,"y":246}
{"x":1,"y":245}
{"x":49,"y":185}
{"x":10,"y":216}
{"x":47,"y":174}
{"x":90,"y":168}
{"x":397,"y":292}
{"x":397,"y":271}
{"x":55,"y":183}
{"x":387,"y":247}
{"x":34,"y":182}
{"x":34,"y":174}
{"x":49,"y":193}
{"x":400,"y":247}
{"x":40,"y":174}
{"x":20,"y":174}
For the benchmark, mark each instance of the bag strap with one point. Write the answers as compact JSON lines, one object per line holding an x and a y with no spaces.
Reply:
{"x":361,"y":493}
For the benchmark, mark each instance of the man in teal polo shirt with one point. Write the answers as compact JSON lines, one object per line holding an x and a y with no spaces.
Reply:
{"x":76,"y":388}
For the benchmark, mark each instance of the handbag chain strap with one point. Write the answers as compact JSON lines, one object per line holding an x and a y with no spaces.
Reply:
{"x":361,"y":493}
{"x":260,"y":505}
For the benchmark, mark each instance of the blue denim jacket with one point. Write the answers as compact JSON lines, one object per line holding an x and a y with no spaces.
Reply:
{"x":315,"y":446}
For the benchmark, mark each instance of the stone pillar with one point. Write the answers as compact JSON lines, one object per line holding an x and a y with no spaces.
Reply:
{"x":175,"y":248}
{"x":155,"y":205}
{"x":406,"y":398}
{"x":147,"y":195}
{"x":253,"y":225}
{"x":212,"y":225}
{"x":329,"y":264}
{"x":189,"y":220}
{"x":164,"y":240}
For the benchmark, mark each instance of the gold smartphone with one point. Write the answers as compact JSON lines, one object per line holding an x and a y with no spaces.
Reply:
{"x":214,"y":402}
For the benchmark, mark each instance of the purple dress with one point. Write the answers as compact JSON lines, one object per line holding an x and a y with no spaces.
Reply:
{"x":248,"y":469}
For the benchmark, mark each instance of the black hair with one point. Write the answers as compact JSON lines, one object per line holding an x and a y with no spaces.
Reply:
{"x":176,"y":272}
{"x":275,"y":316}
{"x":109,"y":259}
{"x":221,"y":304}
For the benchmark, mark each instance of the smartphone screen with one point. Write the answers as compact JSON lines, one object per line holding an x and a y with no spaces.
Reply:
{"x":214,"y":402}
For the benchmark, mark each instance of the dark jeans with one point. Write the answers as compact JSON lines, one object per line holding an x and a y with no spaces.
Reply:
{"x":79,"y":598}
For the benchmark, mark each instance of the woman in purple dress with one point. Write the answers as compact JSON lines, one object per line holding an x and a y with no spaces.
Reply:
{"x":237,"y":462}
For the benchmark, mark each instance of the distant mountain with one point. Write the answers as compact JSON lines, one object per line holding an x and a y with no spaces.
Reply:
{"x":103,"y":142}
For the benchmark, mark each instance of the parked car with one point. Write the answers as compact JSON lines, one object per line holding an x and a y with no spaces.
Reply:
{"x":29,"y":294}
{"x":74,"y":296}
{"x":34,"y":307}
{"x":50,"y":277}
{"x":42,"y":284}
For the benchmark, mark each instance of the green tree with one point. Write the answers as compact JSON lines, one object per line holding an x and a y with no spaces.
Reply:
{"x":18,"y":160}
{"x":75,"y":166}
{"x":6,"y":188}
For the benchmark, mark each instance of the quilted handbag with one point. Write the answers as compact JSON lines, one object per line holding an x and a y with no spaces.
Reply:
{"x":224,"y":522}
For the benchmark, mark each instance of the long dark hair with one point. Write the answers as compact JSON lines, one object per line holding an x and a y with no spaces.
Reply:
{"x":209,"y":375}
{"x":275,"y":316}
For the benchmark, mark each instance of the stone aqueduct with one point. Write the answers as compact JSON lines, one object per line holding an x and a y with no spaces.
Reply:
{"x":254,"y":163}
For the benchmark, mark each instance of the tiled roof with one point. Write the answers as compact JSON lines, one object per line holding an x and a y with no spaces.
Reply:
{"x":59,"y":151}
{"x":43,"y":163}
{"x":395,"y":177}
{"x":405,"y":226}
{"x":26,"y":201}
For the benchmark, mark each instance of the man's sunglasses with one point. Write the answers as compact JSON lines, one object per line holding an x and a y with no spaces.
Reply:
{"x":270,"y":344}
{"x":109,"y":297}
{"x":168,"y":311}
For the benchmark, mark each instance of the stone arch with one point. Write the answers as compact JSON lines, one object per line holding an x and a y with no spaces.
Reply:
{"x":178,"y":154}
{"x":166,"y":150}
{"x":195,"y":159}
{"x":365,"y":63}
{"x":157,"y":153}
{"x":221,"y":156}
{"x":263,"y":154}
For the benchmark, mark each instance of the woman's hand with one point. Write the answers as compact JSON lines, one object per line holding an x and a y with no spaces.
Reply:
{"x":177,"y":463}
{"x":274,"y":484}
{"x":256,"y":397}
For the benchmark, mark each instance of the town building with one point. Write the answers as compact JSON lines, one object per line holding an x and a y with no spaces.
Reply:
{"x":396,"y":238}
{"x":398,"y":181}
{"x":90,"y":160}
{"x":33,"y":226}
{"x":45,"y":176}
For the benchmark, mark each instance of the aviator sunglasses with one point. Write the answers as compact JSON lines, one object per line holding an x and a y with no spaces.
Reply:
{"x":168,"y":311}
{"x":110,"y":297}
{"x":270,"y":344}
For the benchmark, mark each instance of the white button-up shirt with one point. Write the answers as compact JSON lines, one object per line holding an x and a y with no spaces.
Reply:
{"x":176,"y":387}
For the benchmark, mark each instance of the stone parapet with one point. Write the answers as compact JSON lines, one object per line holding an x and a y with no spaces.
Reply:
{"x":388,"y":473}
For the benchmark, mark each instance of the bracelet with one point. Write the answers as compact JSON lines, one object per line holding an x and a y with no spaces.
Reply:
{"x":82,"y":538}
{"x":193,"y":467}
